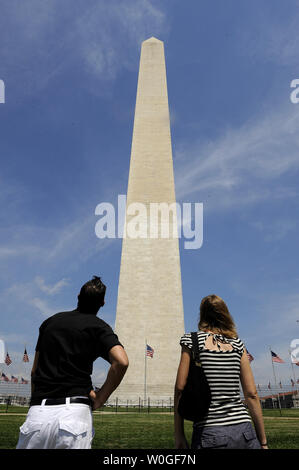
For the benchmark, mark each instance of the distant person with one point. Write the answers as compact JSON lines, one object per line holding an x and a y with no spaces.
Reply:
{"x":62,"y":398}
{"x":226,"y":424}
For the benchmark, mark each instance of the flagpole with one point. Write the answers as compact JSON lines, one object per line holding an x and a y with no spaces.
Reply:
{"x":275,"y":380}
{"x":18,"y":388}
{"x":145,"y":371}
{"x":24,"y":365}
{"x":25,"y":368}
{"x":295,"y":382}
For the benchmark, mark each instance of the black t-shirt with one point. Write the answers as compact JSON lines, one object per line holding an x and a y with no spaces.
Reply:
{"x":68,"y":344}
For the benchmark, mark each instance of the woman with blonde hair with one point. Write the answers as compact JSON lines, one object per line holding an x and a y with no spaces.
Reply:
{"x":226,"y":422}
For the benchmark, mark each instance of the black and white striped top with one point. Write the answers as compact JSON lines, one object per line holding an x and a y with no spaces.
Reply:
{"x":222,"y":369}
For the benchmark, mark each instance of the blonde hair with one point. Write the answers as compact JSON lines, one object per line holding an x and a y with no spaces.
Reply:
{"x":214,"y":315}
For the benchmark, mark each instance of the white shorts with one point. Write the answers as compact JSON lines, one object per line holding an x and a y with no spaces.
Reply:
{"x":66,"y":426}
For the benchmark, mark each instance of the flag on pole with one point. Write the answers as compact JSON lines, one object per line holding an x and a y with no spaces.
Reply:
{"x":292,"y":382}
{"x":23,"y":381}
{"x":25,"y":357}
{"x":7,"y":361}
{"x":258,"y":386}
{"x":4,"y":378}
{"x":269,"y":385}
{"x":250,"y":357}
{"x":276,"y":358}
{"x":149,"y":351}
{"x":280,"y":384}
{"x":14,"y":379}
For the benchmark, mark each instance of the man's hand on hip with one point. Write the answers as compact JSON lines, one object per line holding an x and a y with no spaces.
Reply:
{"x":118,"y":365}
{"x":97,"y":400}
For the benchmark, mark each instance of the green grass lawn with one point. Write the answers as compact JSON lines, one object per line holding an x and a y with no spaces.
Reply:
{"x":153,"y":431}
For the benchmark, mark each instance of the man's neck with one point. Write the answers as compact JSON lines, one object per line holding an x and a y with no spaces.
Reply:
{"x":89,"y":312}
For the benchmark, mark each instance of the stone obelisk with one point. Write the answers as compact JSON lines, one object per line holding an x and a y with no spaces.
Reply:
{"x":150,"y":305}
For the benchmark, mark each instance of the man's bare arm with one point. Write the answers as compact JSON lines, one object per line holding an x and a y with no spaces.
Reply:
{"x":119,"y":363}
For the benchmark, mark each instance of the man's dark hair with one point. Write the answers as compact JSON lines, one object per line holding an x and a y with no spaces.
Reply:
{"x":92,"y":295}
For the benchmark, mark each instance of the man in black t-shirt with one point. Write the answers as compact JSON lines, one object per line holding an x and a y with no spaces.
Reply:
{"x":62,"y":395}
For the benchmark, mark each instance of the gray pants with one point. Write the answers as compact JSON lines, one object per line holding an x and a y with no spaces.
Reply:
{"x":234,"y":436}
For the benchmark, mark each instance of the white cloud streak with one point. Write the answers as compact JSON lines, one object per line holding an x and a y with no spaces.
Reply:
{"x":270,"y":39}
{"x":27,"y":294}
{"x":274,"y":230}
{"x":50,"y":290}
{"x":75,"y":242}
{"x":49,"y":36}
{"x":240,"y":167}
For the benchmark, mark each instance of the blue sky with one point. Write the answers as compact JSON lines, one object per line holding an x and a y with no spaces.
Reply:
{"x":70,"y":71}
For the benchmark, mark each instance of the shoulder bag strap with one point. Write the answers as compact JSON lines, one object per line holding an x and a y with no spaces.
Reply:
{"x":195,"y":348}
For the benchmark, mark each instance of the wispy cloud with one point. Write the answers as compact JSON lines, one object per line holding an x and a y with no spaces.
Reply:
{"x":50,"y":290}
{"x":27,"y":294}
{"x":16,"y":251}
{"x":240,"y":167}
{"x":272,"y":38}
{"x":74,"y":242}
{"x":276,"y":229}
{"x":50,"y":36}
{"x":42,"y":306}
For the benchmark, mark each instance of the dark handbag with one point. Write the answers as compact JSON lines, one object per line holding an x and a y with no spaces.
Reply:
{"x":196,"y":396}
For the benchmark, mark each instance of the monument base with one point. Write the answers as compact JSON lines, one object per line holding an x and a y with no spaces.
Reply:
{"x":134,"y":394}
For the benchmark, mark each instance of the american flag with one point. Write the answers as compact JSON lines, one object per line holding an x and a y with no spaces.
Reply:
{"x":276,"y":358}
{"x":269,"y":385}
{"x":7,"y":361}
{"x":292,"y":382}
{"x":149,"y":351}
{"x":250,"y":357}
{"x":14,"y":379}
{"x":25,"y":357}
{"x":4,"y":378}
{"x":280,"y":384}
{"x":23,"y":381}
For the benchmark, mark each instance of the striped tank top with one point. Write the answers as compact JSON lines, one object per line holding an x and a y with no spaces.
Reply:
{"x":222,"y":370}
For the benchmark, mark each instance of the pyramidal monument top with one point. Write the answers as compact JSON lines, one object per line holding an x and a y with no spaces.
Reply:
{"x":152,"y":39}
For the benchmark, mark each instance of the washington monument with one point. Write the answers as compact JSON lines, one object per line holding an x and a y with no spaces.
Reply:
{"x":150,"y":305}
